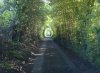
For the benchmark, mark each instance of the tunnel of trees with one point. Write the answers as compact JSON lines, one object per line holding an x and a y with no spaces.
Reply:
{"x":75,"y":24}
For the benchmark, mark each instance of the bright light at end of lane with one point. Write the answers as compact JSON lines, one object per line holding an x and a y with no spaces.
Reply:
{"x":46,"y":1}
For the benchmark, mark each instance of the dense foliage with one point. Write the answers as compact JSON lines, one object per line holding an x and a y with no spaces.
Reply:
{"x":75,"y":24}
{"x":18,"y":32}
{"x":78,"y":23}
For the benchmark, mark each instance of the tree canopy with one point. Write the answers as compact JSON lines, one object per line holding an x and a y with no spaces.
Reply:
{"x":75,"y":24}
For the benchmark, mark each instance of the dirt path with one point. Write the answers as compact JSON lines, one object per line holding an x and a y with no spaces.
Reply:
{"x":53,"y":60}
